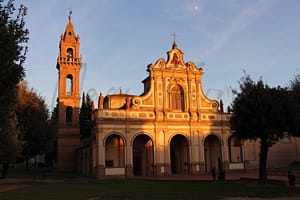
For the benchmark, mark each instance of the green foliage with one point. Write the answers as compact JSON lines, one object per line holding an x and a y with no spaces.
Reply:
{"x":52,"y":133}
{"x":13,"y":37}
{"x":295,"y":106}
{"x":32,"y":115}
{"x":9,"y":144}
{"x":260,"y":112}
{"x":85,"y":116}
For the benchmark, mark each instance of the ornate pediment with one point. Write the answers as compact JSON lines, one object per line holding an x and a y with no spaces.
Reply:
{"x":160,"y":64}
{"x":192,"y":67}
{"x":175,"y":58}
{"x":175,"y":61}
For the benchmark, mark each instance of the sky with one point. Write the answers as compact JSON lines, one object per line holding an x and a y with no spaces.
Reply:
{"x":119,"y":38}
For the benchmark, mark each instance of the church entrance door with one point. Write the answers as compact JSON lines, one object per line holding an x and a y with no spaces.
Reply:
{"x":179,"y":150}
{"x":143,"y":153}
{"x":213,"y":153}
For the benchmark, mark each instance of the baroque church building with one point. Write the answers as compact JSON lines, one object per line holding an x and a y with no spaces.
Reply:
{"x":172,"y":128}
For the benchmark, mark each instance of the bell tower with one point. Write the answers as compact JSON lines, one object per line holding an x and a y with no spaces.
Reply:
{"x":68,"y":65}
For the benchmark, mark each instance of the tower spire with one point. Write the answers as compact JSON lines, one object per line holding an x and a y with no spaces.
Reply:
{"x":174,"y":40}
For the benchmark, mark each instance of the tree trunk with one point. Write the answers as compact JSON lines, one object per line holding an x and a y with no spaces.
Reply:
{"x":263,"y":156}
{"x":26,"y":164}
{"x":34,"y":169}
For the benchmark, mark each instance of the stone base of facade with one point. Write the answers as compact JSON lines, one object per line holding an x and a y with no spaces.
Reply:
{"x":67,"y":142}
{"x":162,"y":169}
{"x":248,"y":164}
{"x":129,"y":170}
{"x":202,"y":167}
{"x":196,"y":168}
{"x":100,"y":171}
{"x":225,"y":165}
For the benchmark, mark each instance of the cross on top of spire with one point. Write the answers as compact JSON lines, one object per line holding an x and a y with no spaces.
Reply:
{"x":174,"y":40}
{"x":70,"y":14}
{"x":174,"y":37}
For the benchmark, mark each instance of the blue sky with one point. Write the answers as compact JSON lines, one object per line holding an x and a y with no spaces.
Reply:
{"x":120,"y":38}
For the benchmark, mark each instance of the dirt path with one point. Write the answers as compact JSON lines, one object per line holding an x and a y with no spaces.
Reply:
{"x":14,"y":184}
{"x":8,"y":187}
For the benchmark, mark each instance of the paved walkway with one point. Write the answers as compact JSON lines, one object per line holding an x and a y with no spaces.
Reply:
{"x":229,"y":176}
{"x":203,"y":177}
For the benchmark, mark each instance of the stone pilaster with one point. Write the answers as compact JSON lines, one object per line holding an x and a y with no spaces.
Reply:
{"x":100,"y":172}
{"x":202,"y":167}
{"x":129,"y":170}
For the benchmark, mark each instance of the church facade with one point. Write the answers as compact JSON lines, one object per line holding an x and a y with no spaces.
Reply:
{"x":172,"y":128}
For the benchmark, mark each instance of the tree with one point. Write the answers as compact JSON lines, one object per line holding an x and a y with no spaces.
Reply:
{"x":85,"y":116}
{"x":9,"y":144}
{"x":260,"y":113}
{"x":52,"y":137}
{"x":295,"y":105}
{"x":32,"y":115}
{"x":13,"y":37}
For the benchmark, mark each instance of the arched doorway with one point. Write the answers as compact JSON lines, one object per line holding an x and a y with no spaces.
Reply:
{"x":213,"y":153}
{"x":179,"y":154}
{"x":114,"y":151}
{"x":143,"y":153}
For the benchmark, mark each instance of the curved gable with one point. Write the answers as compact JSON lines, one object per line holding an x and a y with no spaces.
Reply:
{"x":163,"y":74}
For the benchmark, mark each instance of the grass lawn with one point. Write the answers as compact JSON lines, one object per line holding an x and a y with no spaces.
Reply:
{"x":147,"y":189}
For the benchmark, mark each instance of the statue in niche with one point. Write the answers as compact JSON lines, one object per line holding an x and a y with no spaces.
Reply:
{"x":175,"y":59}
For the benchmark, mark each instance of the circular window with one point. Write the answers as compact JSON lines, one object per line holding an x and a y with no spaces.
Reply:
{"x":70,"y":33}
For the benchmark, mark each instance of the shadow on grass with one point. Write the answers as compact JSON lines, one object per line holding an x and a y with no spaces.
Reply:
{"x":40,"y":174}
{"x":151,"y":189}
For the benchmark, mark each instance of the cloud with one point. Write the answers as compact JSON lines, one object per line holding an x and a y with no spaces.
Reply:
{"x":182,"y":10}
{"x":244,"y":19}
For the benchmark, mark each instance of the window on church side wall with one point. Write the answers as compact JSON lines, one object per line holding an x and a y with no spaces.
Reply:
{"x":177,"y":98}
{"x":235,"y":150}
{"x":69,"y":54}
{"x":69,"y":85}
{"x":69,"y":114}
